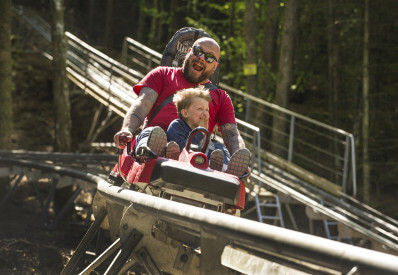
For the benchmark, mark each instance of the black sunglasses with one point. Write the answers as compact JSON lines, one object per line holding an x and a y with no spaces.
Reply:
{"x":209,"y":58}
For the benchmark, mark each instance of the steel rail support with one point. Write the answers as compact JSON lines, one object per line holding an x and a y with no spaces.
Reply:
{"x":101,"y":258}
{"x":11,"y":190}
{"x":82,"y":247}
{"x":124,"y":252}
{"x":65,"y":208}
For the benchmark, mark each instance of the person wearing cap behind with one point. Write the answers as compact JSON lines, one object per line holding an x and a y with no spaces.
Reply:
{"x":199,"y":64}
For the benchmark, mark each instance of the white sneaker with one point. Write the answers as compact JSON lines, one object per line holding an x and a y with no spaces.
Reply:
{"x":216,"y":160}
{"x":239,"y":162}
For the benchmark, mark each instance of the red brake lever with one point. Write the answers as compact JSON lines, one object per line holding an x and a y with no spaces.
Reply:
{"x":124,"y":139}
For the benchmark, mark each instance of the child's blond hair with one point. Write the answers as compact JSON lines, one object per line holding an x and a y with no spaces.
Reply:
{"x":183,"y":98}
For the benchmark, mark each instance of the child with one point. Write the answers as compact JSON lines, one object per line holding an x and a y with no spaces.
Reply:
{"x":193,"y":109}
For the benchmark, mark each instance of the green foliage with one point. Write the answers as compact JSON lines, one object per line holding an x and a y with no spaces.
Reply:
{"x":233,"y":52}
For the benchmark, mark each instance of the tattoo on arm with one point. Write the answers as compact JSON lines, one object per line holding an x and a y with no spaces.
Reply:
{"x":148,"y":95}
{"x":138,"y":117}
{"x":140,"y":108}
{"x":232,"y":139}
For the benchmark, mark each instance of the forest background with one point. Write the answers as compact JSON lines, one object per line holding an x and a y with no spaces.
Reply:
{"x":335,"y":61}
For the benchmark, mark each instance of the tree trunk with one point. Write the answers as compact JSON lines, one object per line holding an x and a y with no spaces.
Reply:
{"x":154,"y":36}
{"x":226,"y":64}
{"x":332,"y":65}
{"x":365,"y":118}
{"x":172,"y":19}
{"x":60,"y":81}
{"x":268,"y":60}
{"x":192,"y":6}
{"x":6,"y":122}
{"x":142,"y":32}
{"x":91,"y":18}
{"x":285,"y":76}
{"x":333,"y":76}
{"x":250,"y":68}
{"x":161,"y":22}
{"x":231,"y":20}
{"x":251,"y":60}
{"x":108,"y":25}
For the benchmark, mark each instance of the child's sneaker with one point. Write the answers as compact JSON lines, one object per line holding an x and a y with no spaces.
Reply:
{"x":172,"y":150}
{"x":216,"y":160}
{"x":239,"y":162}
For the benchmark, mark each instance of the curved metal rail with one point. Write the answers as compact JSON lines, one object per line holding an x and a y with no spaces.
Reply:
{"x":224,"y":238}
{"x":89,"y":162}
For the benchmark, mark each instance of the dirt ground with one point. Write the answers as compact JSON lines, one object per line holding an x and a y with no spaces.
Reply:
{"x":27,"y":246}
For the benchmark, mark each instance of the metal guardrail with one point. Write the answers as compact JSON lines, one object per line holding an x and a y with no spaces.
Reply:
{"x":371,"y":223}
{"x":137,"y":55}
{"x":104,"y":78}
{"x":324,"y":150}
{"x":107,"y":80}
{"x":321,"y":149}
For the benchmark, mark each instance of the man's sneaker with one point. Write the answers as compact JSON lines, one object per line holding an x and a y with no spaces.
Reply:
{"x":172,"y":150}
{"x":239,"y":162}
{"x":157,"y":141}
{"x":216,"y":160}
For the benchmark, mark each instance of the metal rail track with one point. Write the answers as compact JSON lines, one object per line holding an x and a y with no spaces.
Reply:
{"x":224,"y":238}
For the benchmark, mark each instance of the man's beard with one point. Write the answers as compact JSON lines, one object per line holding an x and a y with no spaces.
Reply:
{"x":190,"y":77}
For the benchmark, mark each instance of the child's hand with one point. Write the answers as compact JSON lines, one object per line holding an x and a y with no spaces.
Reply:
{"x":204,"y":122}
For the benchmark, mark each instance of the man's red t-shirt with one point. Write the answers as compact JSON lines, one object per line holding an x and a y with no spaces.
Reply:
{"x":168,"y":80}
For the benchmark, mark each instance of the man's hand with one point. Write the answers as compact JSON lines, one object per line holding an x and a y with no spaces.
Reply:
{"x":122,"y":137}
